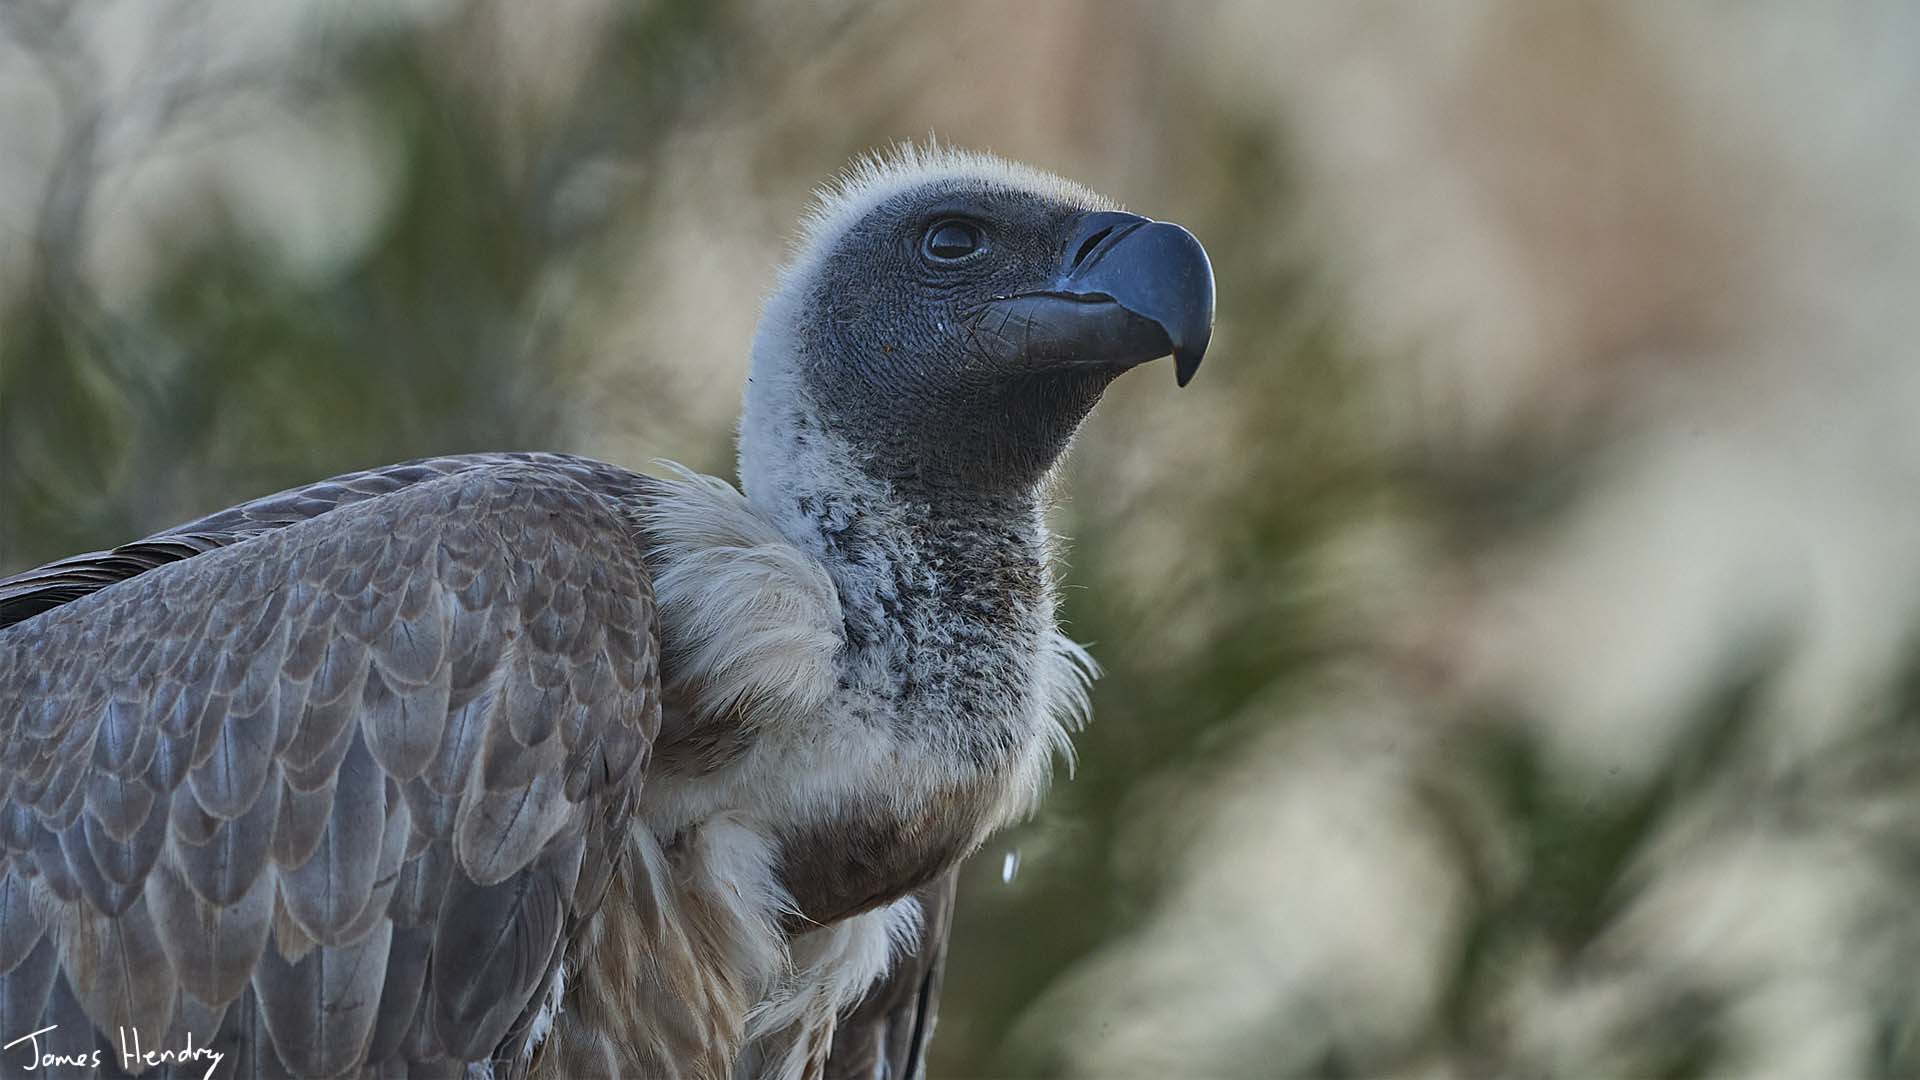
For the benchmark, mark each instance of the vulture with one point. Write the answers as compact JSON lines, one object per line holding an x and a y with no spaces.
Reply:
{"x":524,"y":764}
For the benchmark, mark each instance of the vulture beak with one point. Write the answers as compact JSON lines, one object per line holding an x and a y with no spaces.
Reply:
{"x":1129,"y":290}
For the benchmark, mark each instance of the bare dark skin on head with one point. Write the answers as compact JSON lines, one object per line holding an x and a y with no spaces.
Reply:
{"x":987,"y":324}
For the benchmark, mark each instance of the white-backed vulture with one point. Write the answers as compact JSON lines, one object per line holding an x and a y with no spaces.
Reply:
{"x":525,"y":763}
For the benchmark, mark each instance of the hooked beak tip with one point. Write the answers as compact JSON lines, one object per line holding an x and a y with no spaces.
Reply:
{"x":1185,"y":363}
{"x":1155,"y":270}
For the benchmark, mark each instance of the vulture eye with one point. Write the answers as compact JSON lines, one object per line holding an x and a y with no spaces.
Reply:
{"x":953,"y":240}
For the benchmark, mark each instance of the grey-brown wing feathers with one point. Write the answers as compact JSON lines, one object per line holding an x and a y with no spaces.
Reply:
{"x":33,"y":591}
{"x":317,"y":784}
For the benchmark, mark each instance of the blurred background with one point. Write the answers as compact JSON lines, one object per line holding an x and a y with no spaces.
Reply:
{"x":1511,"y":635}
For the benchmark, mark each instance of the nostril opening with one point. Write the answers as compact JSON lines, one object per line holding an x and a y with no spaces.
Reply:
{"x":1092,"y":242}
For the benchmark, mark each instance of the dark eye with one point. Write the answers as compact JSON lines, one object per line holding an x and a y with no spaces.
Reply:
{"x":951,"y":241}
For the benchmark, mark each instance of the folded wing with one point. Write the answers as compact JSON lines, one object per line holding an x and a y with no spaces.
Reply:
{"x":327,"y":786}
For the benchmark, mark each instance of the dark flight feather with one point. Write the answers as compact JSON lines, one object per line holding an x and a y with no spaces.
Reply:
{"x":885,"y":1037}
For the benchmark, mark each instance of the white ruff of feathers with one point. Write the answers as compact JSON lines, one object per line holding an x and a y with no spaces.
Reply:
{"x":757,"y":624}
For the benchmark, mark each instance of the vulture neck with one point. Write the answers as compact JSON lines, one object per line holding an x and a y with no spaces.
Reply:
{"x":852,"y":516}
{"x":946,"y":595}
{"x":830,"y":500}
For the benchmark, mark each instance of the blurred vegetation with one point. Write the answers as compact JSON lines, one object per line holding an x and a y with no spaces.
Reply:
{"x":232,"y":376}
{"x":476,"y":315}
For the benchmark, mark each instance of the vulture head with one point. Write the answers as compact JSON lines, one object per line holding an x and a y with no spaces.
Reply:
{"x":949,"y":320}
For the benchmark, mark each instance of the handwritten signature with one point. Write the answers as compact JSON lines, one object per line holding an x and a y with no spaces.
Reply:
{"x":132,"y":1058}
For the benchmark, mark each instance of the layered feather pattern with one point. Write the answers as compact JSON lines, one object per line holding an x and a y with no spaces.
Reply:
{"x":313,"y":781}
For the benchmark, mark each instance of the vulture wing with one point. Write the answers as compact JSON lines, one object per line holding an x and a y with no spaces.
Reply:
{"x":324,"y":781}
{"x":49,"y":586}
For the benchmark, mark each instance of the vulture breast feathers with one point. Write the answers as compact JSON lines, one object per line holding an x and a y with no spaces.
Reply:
{"x":519,"y":764}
